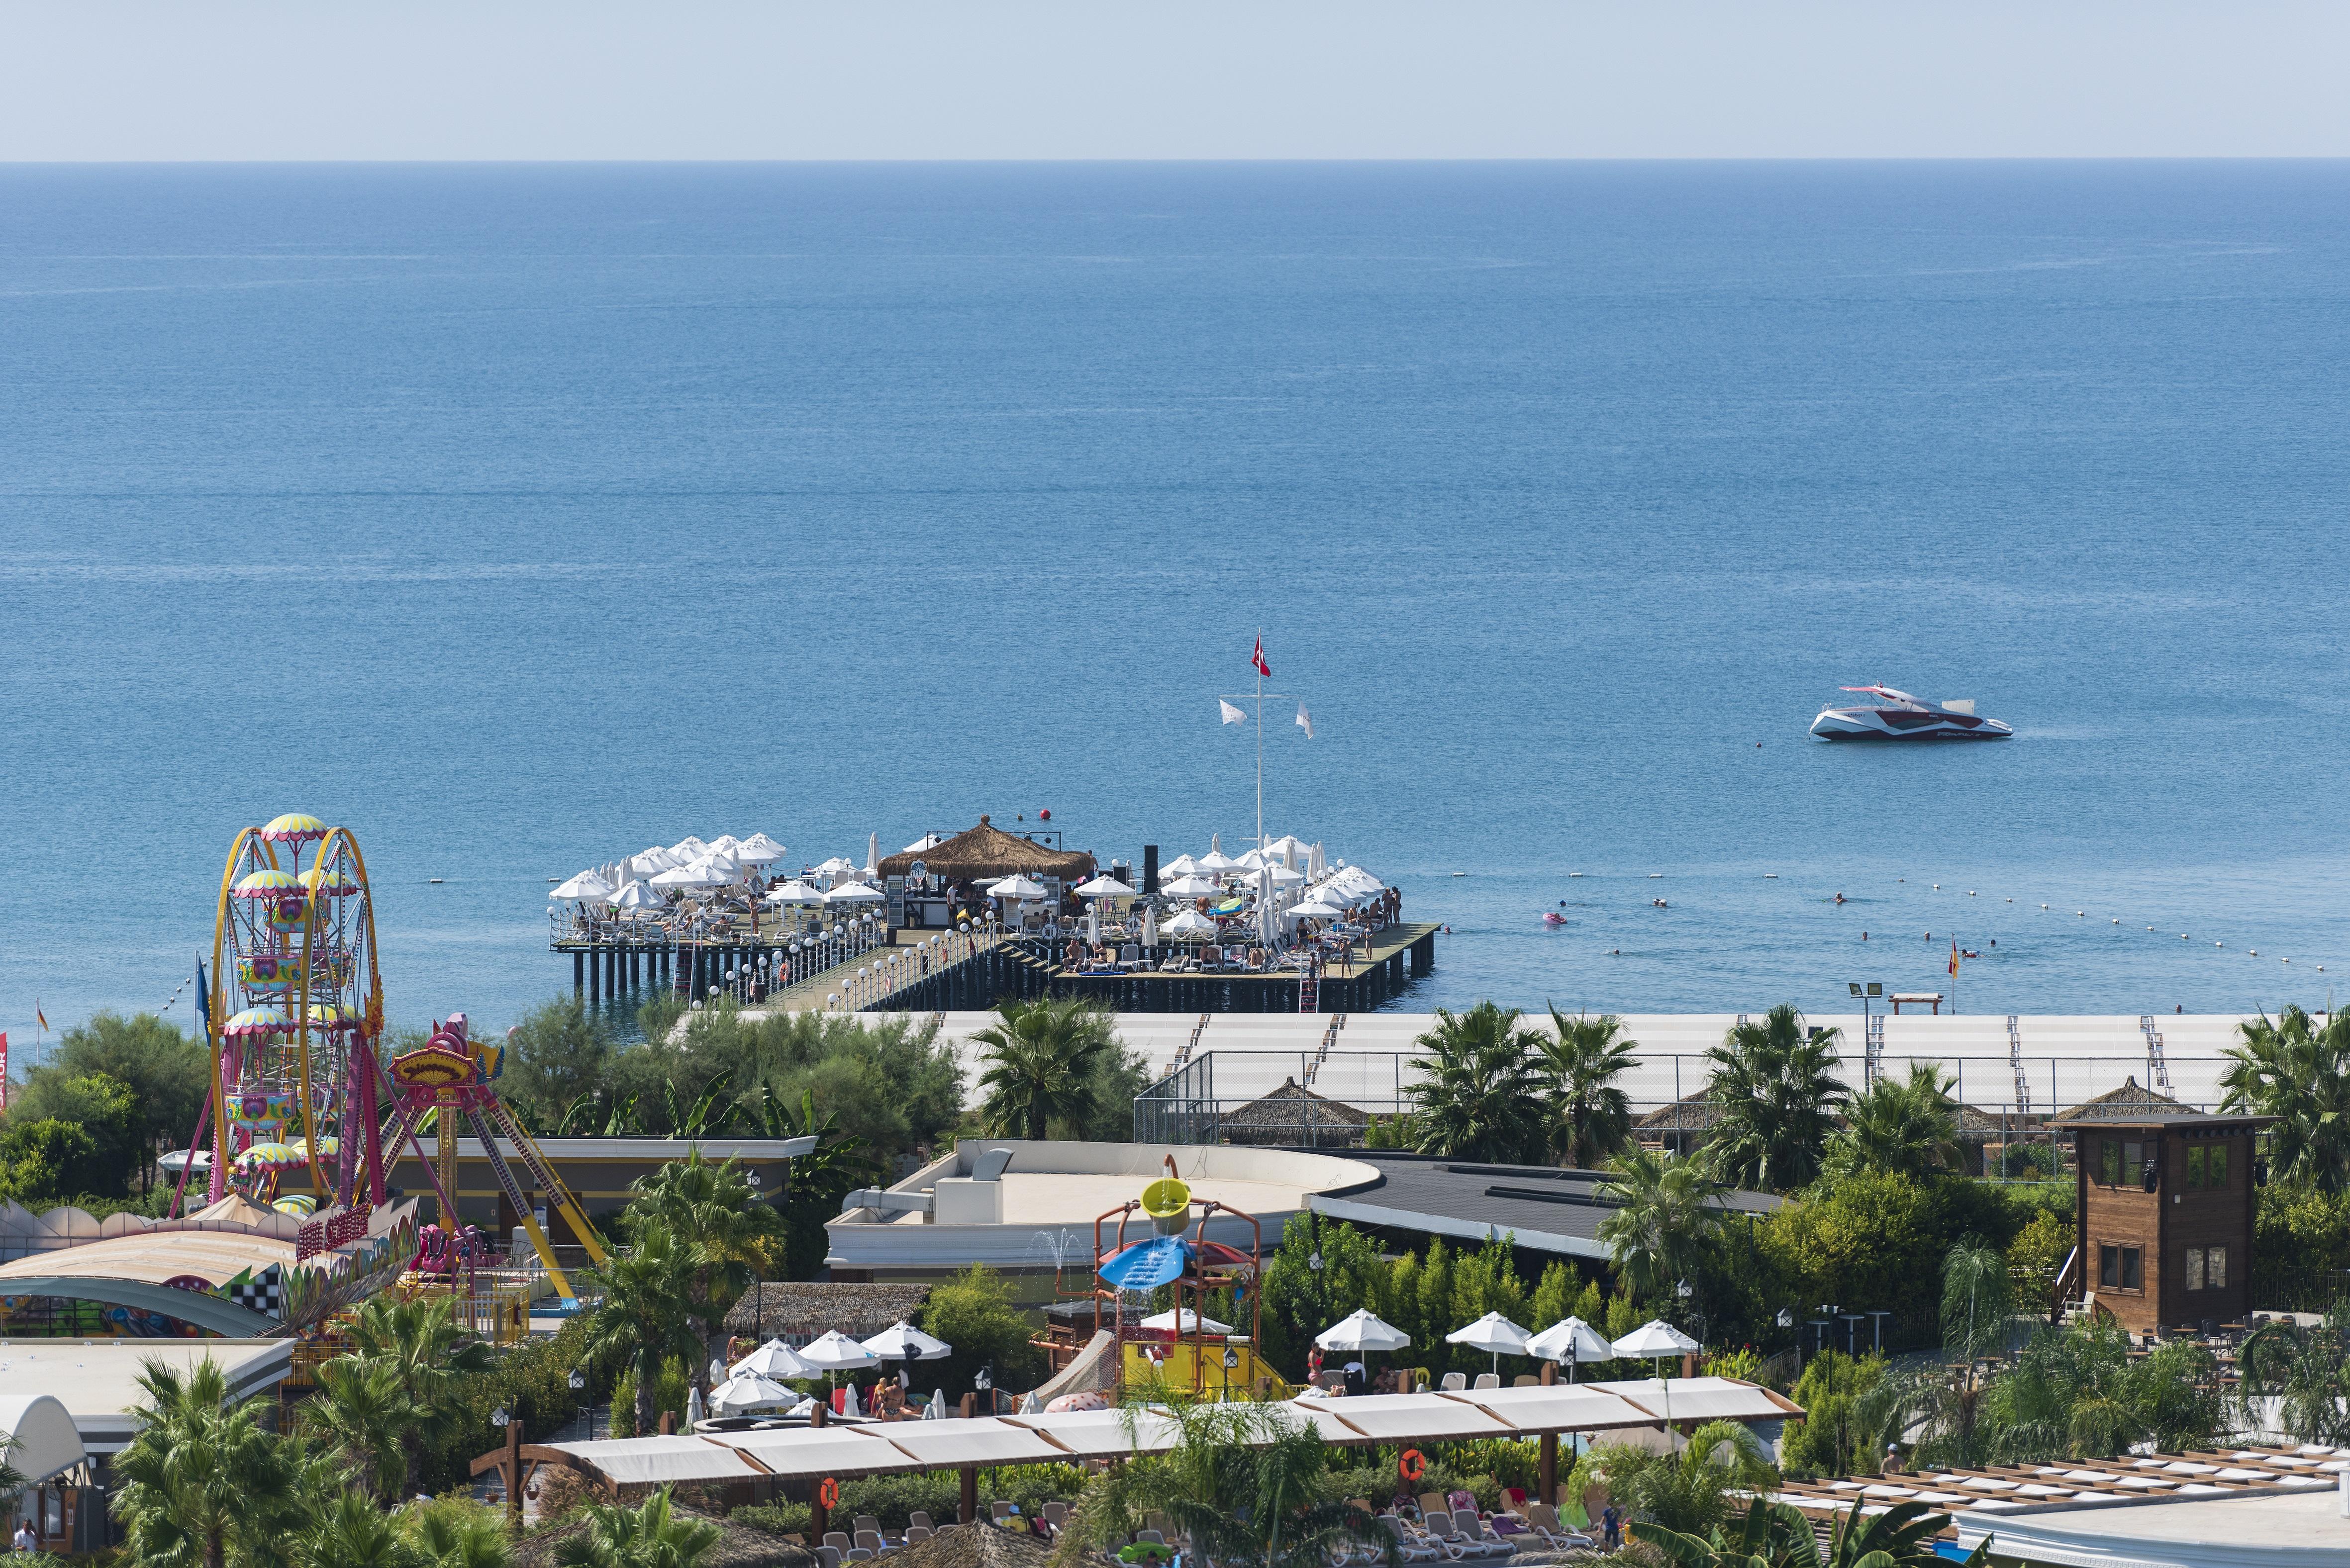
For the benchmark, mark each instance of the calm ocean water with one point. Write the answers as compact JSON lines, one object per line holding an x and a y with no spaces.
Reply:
{"x":520,"y":517}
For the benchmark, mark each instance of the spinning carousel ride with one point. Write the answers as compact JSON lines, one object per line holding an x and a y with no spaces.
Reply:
{"x":296,"y":1010}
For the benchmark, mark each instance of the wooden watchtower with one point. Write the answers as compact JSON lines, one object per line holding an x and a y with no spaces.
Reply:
{"x":2163,"y":1211}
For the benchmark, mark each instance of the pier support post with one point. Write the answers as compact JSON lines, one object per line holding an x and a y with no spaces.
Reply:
{"x":595,"y":976}
{"x":578,"y":971}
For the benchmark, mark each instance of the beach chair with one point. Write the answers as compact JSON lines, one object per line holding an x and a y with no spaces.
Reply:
{"x":1544,"y":1521}
{"x":1446,"y":1534}
{"x":1155,"y":1538}
{"x":1055,"y":1514}
{"x":918,"y":1519}
{"x":837,"y":1538}
{"x":870,"y":1540}
{"x":1129,"y":954}
{"x":1454,"y":1383}
{"x":1525,"y":1380}
{"x":1432,"y":1502}
{"x":867,"y":1521}
{"x":1488,"y":1380}
{"x":827,"y":1557}
{"x":1410,"y":1545}
{"x":917,"y":1533}
{"x":998,"y":1509}
{"x":1476,"y":1532}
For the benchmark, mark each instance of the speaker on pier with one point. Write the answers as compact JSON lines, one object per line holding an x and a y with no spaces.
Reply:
{"x":1150,"y":868}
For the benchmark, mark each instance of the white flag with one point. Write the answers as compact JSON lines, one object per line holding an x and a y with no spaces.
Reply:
{"x":1305,"y":721}
{"x":1232,"y":715}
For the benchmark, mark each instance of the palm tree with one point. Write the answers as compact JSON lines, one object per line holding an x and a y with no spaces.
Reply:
{"x":2307,"y":1371}
{"x":421,"y":1341}
{"x":1479,"y":1095}
{"x":1907,"y":1128}
{"x":1777,"y":1091}
{"x":2298,"y":1071}
{"x":646,"y":1316}
{"x":364,"y":1413}
{"x":1977,"y":1300}
{"x":728,"y":1235}
{"x":650,"y":1536}
{"x":1584,"y":1058}
{"x":1040,"y":1065}
{"x":1245,"y":1485}
{"x":457,"y":1534}
{"x":1663,"y":1226}
{"x":202,"y":1482}
{"x":1690,"y":1491}
{"x":347,"y":1530}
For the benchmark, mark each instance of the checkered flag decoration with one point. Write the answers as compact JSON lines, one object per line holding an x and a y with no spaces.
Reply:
{"x":264,"y":1291}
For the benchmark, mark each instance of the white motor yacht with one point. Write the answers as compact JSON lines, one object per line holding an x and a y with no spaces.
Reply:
{"x":1898,"y":716}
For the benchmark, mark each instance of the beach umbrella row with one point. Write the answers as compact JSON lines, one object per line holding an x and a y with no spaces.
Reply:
{"x":1570,"y":1340}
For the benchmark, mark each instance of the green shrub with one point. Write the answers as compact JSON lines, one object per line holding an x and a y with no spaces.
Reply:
{"x":1832,"y":1440}
{"x":532,"y":1382}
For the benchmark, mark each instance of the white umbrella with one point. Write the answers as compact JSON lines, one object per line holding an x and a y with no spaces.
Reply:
{"x":749,"y":1391}
{"x":1359,"y":1331}
{"x":848,"y":1407}
{"x":936,"y":1410}
{"x":1573,"y":1341}
{"x":1188,"y":923}
{"x":1191,"y":888}
{"x":796,"y":892}
{"x":690,"y":876}
{"x":1291,"y":849}
{"x":835,"y":1351}
{"x":1150,"y":925}
{"x":1189,"y":1322}
{"x":1252,"y":861}
{"x":1314,"y":909}
{"x":587,"y":887}
{"x":635,"y":895}
{"x":773,"y":1359}
{"x":1217,"y":860}
{"x":1017,"y":887}
{"x":1653,"y":1339}
{"x":853,"y":893}
{"x":1181,"y":866}
{"x":647,"y":863}
{"x":723,"y":862}
{"x":1104,"y":888}
{"x":901,"y":1341}
{"x":832,"y":868}
{"x":1283,"y":876}
{"x":1494,"y":1332}
{"x":927,"y":841}
{"x":688,"y":846}
{"x":759,"y":850}
{"x":725,"y":843}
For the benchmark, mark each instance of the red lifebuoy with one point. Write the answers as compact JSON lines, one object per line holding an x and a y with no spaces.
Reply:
{"x":1411,"y":1466}
{"x":827,"y":1492}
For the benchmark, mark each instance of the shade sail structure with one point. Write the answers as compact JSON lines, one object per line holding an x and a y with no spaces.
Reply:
{"x":1105,"y":1434}
{"x":1701,"y":1399}
{"x":40,"y":1436}
{"x":1655,"y":1337}
{"x":836,"y":1352}
{"x":1189,"y":1322}
{"x":775,"y":1360}
{"x":804,"y":1453}
{"x":1567,"y":1407}
{"x":1491,"y":1333}
{"x":944,"y":1445}
{"x":1360,"y":1331}
{"x":659,"y":1461}
{"x":1424,"y":1417}
{"x":1571,"y":1339}
{"x":902,"y":1341}
{"x":987,"y":853}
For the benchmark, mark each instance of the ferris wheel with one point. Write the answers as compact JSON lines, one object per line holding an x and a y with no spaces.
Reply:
{"x":297,"y":1009}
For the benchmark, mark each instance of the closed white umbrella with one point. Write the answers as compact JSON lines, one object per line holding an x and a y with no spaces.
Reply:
{"x":759,"y":850}
{"x":1359,"y":1332}
{"x":1191,"y":888}
{"x":587,"y":887}
{"x":1573,"y":1341}
{"x":872,"y":855}
{"x":853,"y":893}
{"x":749,"y":1391}
{"x":1150,"y":925}
{"x":1104,"y":888}
{"x":1016,"y":887}
{"x":773,"y":1359}
{"x":695,"y":1412}
{"x":901,"y":1341}
{"x":1314,"y":859}
{"x":1494,"y":1332}
{"x":1189,"y":1322}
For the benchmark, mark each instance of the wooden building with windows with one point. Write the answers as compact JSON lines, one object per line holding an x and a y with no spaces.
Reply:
{"x":2163,"y":1211}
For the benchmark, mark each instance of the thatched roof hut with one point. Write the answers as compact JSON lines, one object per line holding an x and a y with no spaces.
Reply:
{"x":988,"y":852}
{"x":739,"y":1545}
{"x":805,"y":1309}
{"x":974,"y":1546}
{"x":1295,"y":1117}
{"x":2131,"y":1100}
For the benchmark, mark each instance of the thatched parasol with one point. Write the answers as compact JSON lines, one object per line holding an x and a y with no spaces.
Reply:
{"x":1293,"y":1116}
{"x":2132,"y":1100}
{"x":740,"y":1546}
{"x":974,"y":1546}
{"x":809,"y":1307}
{"x":987,"y":851}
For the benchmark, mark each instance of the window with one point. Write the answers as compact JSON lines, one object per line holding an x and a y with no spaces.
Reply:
{"x":2132,"y":1164}
{"x":2194,"y":1268}
{"x":2194,"y":1173}
{"x":2216,"y":1176}
{"x":2111,"y":1158}
{"x":2109,"y":1264}
{"x":2215,"y":1270}
{"x":2133,"y":1278}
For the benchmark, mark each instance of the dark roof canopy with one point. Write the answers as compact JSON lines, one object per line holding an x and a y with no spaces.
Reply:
{"x":810,"y":1307}
{"x":989,"y":851}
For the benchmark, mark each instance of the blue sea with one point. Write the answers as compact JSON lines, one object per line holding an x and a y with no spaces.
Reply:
{"x":520,"y":517}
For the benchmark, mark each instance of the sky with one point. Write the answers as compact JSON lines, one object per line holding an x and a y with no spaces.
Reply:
{"x":530,"y":80}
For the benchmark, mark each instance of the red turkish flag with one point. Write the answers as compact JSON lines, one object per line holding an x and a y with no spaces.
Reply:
{"x":1257,"y":659}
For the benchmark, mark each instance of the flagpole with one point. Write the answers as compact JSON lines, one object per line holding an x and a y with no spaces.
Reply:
{"x":1260,"y":744}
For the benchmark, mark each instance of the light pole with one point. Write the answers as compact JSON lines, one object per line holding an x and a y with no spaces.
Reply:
{"x":1878,"y":1316}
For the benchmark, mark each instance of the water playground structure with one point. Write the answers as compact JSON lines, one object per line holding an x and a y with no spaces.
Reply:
{"x":1194,"y":1352}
